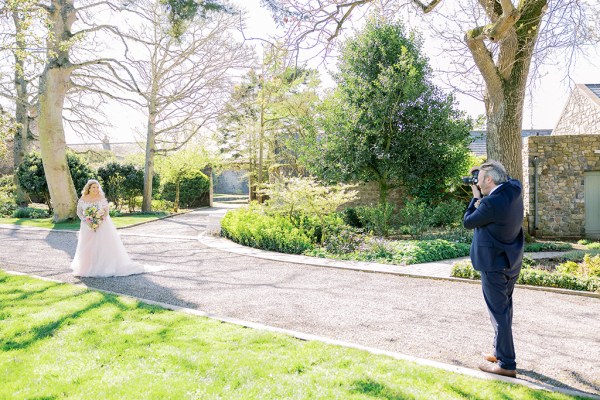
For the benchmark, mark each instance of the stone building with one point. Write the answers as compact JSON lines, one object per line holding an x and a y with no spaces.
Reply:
{"x":581,"y":115}
{"x":561,"y":172}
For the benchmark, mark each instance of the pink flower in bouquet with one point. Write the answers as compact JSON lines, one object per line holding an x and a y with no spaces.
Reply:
{"x":94,"y":217}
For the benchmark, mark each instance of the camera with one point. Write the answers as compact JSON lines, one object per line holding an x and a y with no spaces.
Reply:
{"x":473,"y":179}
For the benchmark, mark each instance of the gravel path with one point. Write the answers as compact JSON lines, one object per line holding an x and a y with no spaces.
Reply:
{"x":557,"y":336}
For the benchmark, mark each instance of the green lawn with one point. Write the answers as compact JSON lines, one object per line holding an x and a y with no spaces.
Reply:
{"x":119,"y":222}
{"x":64,"y":341}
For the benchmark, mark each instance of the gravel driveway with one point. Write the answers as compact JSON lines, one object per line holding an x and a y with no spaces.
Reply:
{"x":557,"y":336}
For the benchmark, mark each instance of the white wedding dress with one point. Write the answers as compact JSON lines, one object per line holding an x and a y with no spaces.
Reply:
{"x":101,"y":253}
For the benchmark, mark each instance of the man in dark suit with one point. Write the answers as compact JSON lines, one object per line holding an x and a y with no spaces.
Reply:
{"x":496,"y":214}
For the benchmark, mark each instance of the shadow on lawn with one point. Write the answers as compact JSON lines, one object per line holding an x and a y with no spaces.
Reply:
{"x":35,"y":333}
{"x":590,"y":386}
{"x":377,"y":390}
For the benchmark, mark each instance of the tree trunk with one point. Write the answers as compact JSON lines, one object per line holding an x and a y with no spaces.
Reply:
{"x":504,"y":114}
{"x":383,"y":191}
{"x":21,"y":136}
{"x":149,"y":163}
{"x":506,"y":77}
{"x":54,"y":84}
{"x":53,"y":87}
{"x":261,"y":135}
{"x":176,"y":202}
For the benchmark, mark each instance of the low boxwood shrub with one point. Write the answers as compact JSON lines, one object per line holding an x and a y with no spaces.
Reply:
{"x":341,"y":238}
{"x":464,"y":269}
{"x":250,"y":227}
{"x":30,"y":212}
{"x":399,"y":252}
{"x":7,"y":196}
{"x":456,"y":234}
{"x":448,"y":213}
{"x":547,"y":246}
{"x":422,"y":251}
{"x":378,"y":219}
{"x":536,"y":277}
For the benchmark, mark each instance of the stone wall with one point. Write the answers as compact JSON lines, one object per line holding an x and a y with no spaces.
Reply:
{"x":232,"y":182}
{"x":562,"y":161}
{"x":6,"y":161}
{"x":368,"y":195}
{"x":581,"y":114}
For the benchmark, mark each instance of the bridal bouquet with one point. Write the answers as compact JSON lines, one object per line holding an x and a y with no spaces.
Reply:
{"x":94,"y":217}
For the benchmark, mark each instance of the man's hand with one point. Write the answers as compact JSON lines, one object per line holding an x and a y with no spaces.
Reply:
{"x":476,"y":192}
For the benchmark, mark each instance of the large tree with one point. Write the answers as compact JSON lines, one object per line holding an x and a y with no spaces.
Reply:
{"x":386,"y":122}
{"x":501,"y":38}
{"x":21,"y":65}
{"x":80,"y":71}
{"x":264,"y":117}
{"x":184,"y":81}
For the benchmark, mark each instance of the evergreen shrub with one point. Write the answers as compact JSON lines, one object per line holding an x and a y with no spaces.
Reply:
{"x":30,"y":212}
{"x":547,"y":246}
{"x":7,"y":195}
{"x":252,"y":228}
{"x":193,"y":190}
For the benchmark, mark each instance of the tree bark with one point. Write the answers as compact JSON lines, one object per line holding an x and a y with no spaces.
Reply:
{"x":149,"y":163}
{"x":176,"y":202}
{"x":506,"y":77}
{"x":53,"y":87}
{"x":383,"y":191}
{"x":22,"y":134}
{"x":54,"y":84}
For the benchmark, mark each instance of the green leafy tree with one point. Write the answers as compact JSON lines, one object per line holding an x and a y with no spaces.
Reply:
{"x":386,"y":122}
{"x":32,"y":179}
{"x":265,"y":116}
{"x":183,"y":167}
{"x":123,"y":183}
{"x":295,"y":197}
{"x":493,"y":46}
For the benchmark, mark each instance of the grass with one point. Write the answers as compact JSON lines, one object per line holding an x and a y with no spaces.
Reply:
{"x":64,"y":341}
{"x":121,"y":221}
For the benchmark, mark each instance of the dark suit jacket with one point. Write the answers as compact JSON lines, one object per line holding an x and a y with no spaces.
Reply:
{"x":498,"y":237}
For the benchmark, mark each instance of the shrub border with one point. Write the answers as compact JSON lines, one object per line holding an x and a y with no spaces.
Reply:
{"x":230,"y":246}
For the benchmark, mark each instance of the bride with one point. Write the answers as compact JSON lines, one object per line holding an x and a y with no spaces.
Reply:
{"x":100,"y":251}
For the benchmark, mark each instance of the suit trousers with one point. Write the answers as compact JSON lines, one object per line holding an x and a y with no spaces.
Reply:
{"x":498,"y":289}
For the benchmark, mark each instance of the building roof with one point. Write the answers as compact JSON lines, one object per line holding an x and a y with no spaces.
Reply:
{"x":120,"y":150}
{"x":594,"y":88}
{"x":478,"y":144}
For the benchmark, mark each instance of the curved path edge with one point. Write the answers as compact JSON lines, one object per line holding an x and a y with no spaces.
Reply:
{"x":309,"y":337}
{"x":433,"y":270}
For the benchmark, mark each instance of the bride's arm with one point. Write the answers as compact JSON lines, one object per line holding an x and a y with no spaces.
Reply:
{"x":80,"y":210}
{"x":105,"y":207}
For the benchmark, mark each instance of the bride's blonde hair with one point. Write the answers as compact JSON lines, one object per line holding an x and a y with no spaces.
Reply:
{"x":86,"y":188}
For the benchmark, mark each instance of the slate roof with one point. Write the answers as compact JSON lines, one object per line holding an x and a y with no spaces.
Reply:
{"x":120,"y":150}
{"x":479,"y":141}
{"x":594,"y":88}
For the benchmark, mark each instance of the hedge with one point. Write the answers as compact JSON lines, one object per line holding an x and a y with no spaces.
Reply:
{"x":536,"y":277}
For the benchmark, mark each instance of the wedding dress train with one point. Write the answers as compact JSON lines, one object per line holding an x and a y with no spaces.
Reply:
{"x":101,"y":253}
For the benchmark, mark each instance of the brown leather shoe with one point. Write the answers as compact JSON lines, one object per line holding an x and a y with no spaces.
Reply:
{"x":495,"y":369}
{"x":489,"y":357}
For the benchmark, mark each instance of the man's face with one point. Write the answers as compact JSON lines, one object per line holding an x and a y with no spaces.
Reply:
{"x":485,"y":183}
